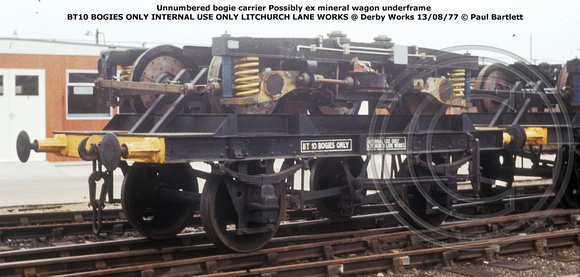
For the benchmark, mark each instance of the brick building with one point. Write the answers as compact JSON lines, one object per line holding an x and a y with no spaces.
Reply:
{"x":46,"y":86}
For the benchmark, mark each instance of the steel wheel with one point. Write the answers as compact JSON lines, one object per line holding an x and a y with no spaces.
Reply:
{"x":331,"y":173}
{"x":214,"y":75}
{"x":491,"y":77}
{"x":415,"y":207}
{"x":565,"y":80}
{"x":571,"y":195}
{"x":418,"y":104}
{"x":220,"y":219}
{"x":565,"y":85}
{"x":145,"y":210}
{"x":156,"y":65}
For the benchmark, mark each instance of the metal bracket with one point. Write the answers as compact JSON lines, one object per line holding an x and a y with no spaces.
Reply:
{"x":262,"y":179}
{"x":475,"y":167}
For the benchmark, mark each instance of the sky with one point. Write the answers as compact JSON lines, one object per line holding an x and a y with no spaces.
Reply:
{"x":548,"y":32}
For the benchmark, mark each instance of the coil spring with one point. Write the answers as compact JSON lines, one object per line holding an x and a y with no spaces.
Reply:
{"x":457,"y":79}
{"x":126,"y":72}
{"x":246,"y":76}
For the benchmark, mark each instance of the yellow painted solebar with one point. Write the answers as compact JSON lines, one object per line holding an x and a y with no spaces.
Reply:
{"x":138,"y":149}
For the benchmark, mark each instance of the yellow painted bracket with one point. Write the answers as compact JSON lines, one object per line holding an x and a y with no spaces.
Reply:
{"x":149,"y":149}
{"x":536,"y":136}
{"x":58,"y":145}
{"x":138,"y":149}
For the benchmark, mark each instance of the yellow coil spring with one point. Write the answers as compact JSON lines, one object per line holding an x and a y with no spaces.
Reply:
{"x":126,"y":72}
{"x":457,"y":79}
{"x":246,"y":76}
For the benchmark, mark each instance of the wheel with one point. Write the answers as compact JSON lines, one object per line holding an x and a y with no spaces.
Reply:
{"x":414,"y":207}
{"x":571,"y":195}
{"x":220,"y":219}
{"x":330,"y":173}
{"x":565,"y":79}
{"x":565,"y":85}
{"x":234,"y":229}
{"x":213,"y":75}
{"x":491,"y":77}
{"x":145,"y":210}
{"x":418,"y":104}
{"x":499,"y":166}
{"x":156,"y":65}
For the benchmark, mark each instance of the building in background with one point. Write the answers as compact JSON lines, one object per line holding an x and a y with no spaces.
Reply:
{"x":47,"y":86}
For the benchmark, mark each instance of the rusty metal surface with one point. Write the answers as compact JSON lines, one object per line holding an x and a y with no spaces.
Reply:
{"x":491,"y":77}
{"x":138,"y":88}
{"x":157,"y":71}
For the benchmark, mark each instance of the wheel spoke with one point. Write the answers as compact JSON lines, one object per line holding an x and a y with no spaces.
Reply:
{"x":330,"y":173}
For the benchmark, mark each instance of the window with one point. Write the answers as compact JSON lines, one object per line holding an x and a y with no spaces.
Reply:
{"x":1,"y":85}
{"x":81,"y":102}
{"x":26,"y":85}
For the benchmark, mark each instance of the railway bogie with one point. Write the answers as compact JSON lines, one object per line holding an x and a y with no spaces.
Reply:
{"x":373,"y":123}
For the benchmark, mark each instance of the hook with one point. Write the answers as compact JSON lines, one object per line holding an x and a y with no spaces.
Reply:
{"x":91,"y":155}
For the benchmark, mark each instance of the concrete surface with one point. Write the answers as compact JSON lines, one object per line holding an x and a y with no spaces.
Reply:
{"x":42,"y":182}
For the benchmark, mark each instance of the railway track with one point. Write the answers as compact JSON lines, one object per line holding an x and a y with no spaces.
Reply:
{"x":59,"y":224}
{"x":346,"y":252}
{"x":56,"y":226}
{"x":120,"y":257}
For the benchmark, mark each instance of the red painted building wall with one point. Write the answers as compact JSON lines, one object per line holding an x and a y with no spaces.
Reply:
{"x":55,"y":67}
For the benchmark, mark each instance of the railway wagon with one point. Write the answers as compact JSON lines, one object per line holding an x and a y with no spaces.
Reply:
{"x":367,"y":123}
